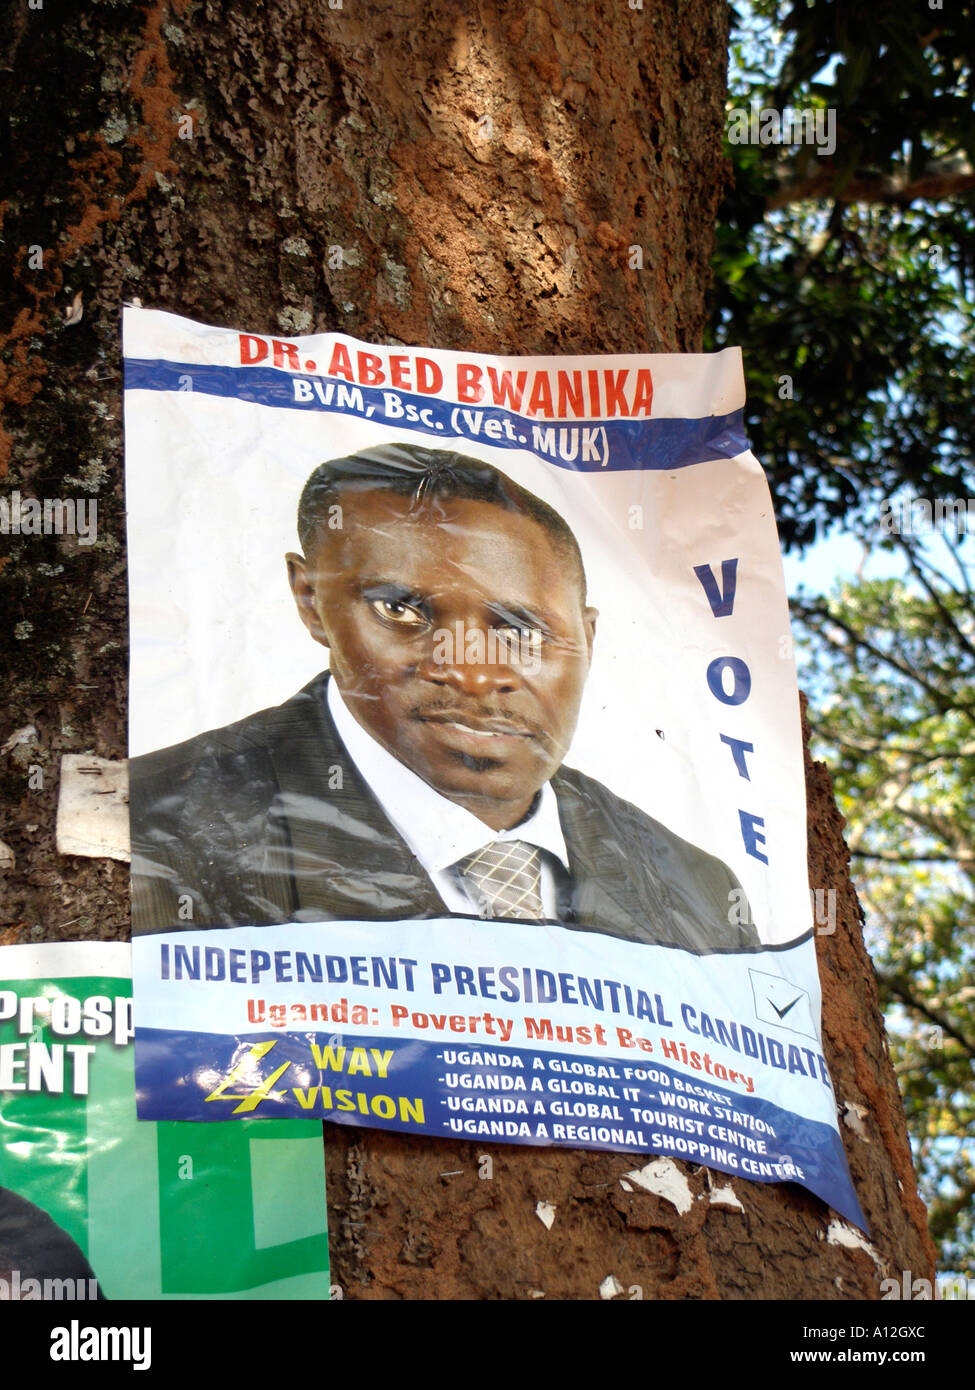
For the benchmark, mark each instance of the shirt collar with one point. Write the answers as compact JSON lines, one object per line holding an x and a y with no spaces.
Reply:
{"x":438,"y":831}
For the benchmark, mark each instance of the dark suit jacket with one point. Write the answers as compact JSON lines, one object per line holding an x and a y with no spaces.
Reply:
{"x":268,"y":821}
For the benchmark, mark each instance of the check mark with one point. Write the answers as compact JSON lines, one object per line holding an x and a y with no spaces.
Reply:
{"x":782,"y":1012}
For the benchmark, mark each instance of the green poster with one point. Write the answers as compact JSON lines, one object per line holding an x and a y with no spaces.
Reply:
{"x":95,"y":1203}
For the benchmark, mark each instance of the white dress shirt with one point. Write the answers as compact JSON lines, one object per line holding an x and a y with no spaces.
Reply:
{"x":438,"y":831}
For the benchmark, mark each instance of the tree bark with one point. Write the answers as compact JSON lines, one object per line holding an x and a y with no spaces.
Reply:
{"x":500,"y":178}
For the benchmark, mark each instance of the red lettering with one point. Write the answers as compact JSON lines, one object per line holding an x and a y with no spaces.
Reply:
{"x":570,"y":394}
{"x":469,"y":386}
{"x":399,"y":372}
{"x":429,"y":377}
{"x":252,"y":349}
{"x":643,"y":399}
{"x":340,"y":365}
{"x":370,"y":369}
{"x":624,"y":1037}
{"x":285,"y":350}
{"x":614,"y":391}
{"x":541,"y":397}
{"x":504,"y":391}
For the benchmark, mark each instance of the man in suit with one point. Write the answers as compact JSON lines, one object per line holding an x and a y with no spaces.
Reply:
{"x":421,"y":776}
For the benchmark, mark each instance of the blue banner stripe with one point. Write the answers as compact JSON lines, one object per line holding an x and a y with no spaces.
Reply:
{"x":586,"y":446}
{"x":515,"y":1096}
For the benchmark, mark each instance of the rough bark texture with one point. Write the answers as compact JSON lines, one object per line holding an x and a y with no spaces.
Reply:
{"x":485,"y":169}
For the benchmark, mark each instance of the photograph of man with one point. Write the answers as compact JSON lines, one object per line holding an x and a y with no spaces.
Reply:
{"x":422,"y":775}
{"x":38,"y":1260}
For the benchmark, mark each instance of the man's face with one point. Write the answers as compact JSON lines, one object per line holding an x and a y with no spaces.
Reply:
{"x":458,"y":638}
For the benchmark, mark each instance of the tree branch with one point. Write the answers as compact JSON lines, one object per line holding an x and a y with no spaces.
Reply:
{"x":895,"y":857}
{"x":810,"y":612}
{"x":945,"y":180}
{"x":918,"y":569}
{"x":901,"y":987}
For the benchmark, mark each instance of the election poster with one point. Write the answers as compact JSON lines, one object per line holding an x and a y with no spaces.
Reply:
{"x":98,"y":1205}
{"x":467,"y":787}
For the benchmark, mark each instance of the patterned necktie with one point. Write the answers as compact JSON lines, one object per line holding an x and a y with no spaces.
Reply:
{"x":504,"y":879}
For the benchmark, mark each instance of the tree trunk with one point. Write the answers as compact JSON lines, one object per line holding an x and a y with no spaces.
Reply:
{"x":518,"y":179}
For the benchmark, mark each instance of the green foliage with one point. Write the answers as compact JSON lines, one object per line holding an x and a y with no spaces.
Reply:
{"x":847,"y":280}
{"x":901,"y":78}
{"x":892,"y":669}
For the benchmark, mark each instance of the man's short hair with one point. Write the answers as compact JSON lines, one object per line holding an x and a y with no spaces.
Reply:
{"x":35,"y":1246}
{"x":413,"y":470}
